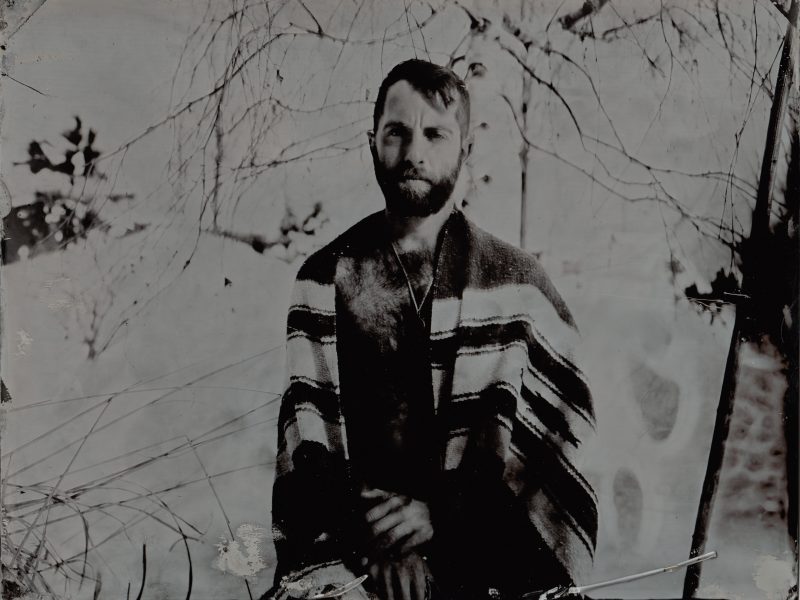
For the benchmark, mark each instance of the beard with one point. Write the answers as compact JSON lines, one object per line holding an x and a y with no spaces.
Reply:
{"x":410,"y":193}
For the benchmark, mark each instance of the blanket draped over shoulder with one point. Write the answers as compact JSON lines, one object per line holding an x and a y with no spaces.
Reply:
{"x":504,"y":381}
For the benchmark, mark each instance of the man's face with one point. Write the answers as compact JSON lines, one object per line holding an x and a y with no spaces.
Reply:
{"x":417,"y":152}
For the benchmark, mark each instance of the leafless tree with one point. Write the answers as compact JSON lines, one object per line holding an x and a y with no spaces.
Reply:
{"x":251,"y":109}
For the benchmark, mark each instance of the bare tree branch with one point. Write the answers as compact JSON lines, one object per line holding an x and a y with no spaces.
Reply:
{"x":588,"y":8}
{"x":781,"y":7}
{"x":16,"y":15}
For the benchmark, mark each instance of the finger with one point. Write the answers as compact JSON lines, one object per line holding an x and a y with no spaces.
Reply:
{"x":387,"y":585}
{"x":391,"y":530}
{"x":387,"y":522}
{"x":395,"y":536}
{"x":403,"y":581}
{"x":369,"y":493}
{"x":419,"y":580}
{"x":375,"y":579}
{"x":384,"y":508}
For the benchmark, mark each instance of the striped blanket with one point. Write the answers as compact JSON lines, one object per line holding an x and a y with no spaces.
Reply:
{"x":504,"y":382}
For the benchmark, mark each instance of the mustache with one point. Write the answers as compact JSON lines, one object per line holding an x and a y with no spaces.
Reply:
{"x":404,"y":174}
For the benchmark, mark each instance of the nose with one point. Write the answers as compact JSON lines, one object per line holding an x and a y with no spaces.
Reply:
{"x":415,"y":149}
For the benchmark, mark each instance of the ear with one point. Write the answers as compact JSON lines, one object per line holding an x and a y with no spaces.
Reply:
{"x":372,"y":148}
{"x":466,"y":146}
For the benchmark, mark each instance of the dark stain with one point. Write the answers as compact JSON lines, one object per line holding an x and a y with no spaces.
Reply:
{"x":11,"y":589}
{"x":731,"y":457}
{"x":736,"y":485}
{"x":5,"y":395}
{"x":755,"y":462}
{"x":35,"y":225}
{"x":658,"y":399}
{"x":628,"y":500}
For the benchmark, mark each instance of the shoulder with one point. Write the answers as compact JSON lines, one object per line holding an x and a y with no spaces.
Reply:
{"x":499,"y":259}
{"x":321,"y":265}
{"x":494,"y":263}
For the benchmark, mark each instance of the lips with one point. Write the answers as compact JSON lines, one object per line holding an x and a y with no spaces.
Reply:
{"x":417,"y":185}
{"x":412,"y":175}
{"x":413,"y":178}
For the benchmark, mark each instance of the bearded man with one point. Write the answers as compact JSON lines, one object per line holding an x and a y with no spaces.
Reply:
{"x":433,"y":409}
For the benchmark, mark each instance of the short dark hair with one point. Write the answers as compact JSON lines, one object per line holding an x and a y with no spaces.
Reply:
{"x":438,"y":84}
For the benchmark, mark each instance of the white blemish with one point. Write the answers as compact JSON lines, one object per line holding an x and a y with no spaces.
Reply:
{"x":48,"y":285}
{"x":243,"y":555}
{"x":59,"y":304}
{"x":716,"y":591}
{"x":5,"y":195}
{"x":24,"y":341}
{"x":301,"y":588}
{"x":752,"y":357}
{"x":773,"y":577}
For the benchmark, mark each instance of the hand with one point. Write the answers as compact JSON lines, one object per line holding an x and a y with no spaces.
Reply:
{"x":401,"y":579}
{"x":397,"y":523}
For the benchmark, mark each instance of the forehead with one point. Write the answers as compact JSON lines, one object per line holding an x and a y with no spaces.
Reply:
{"x":407,"y":105}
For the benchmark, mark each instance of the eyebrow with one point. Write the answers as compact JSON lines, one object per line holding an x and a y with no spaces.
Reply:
{"x":389,"y":124}
{"x":439,"y":128}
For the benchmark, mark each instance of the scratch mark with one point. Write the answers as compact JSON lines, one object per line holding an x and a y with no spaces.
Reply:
{"x":30,"y":87}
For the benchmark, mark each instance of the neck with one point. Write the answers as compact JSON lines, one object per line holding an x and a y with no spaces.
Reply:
{"x":418,"y":233}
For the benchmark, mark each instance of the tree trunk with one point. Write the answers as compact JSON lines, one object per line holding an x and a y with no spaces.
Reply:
{"x":745,"y":326}
{"x":527,"y":85}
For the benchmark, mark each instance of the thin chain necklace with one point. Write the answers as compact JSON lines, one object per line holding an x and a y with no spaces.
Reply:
{"x":417,"y":305}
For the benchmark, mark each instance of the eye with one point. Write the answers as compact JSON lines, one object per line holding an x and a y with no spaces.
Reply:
{"x":435,"y":134}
